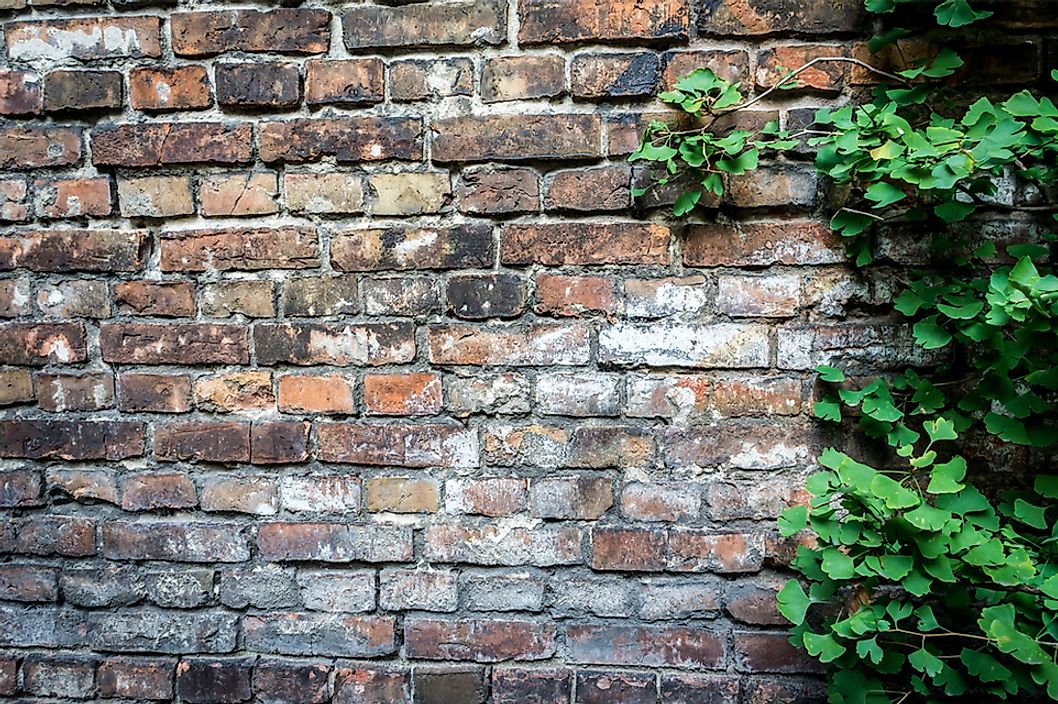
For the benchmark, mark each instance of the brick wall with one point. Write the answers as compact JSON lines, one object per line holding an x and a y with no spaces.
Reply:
{"x":337,"y":365}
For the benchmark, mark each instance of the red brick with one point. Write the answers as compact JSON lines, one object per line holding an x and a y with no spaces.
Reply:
{"x":291,"y":682}
{"x":82,"y":90}
{"x":251,"y":193}
{"x":8,"y":675}
{"x":762,"y":243}
{"x":479,"y":640}
{"x":71,"y":440}
{"x":359,"y":685}
{"x":705,"y":689}
{"x":559,"y":21}
{"x":38,"y":344}
{"x":535,"y":345}
{"x":316,"y":394}
{"x":169,"y":88}
{"x":19,"y":93}
{"x":347,"y":140}
{"x":575,"y":498}
{"x":772,"y":296}
{"x":588,"y":190}
{"x":331,"y":343}
{"x":755,"y":602}
{"x":207,"y":441}
{"x":241,"y":495}
{"x":725,"y":553}
{"x":165,"y":143}
{"x":488,"y":189}
{"x":15,"y":297}
{"x":155,"y":196}
{"x":39,"y":147}
{"x":400,"y":445}
{"x":173,"y":343}
{"x":771,"y":652}
{"x":154,"y":490}
{"x":334,"y":542}
{"x":211,"y":681}
{"x":402,"y":394}
{"x":240,"y":249}
{"x":406,"y":248}
{"x":453,"y":23}
{"x":176,"y":541}
{"x":598,"y":76}
{"x":169,"y":299}
{"x":516,"y":137}
{"x":283,"y":31}
{"x":401,"y":495}
{"x":55,"y":535}
{"x":279,"y":442}
{"x":28,"y":583}
{"x":757,"y":396}
{"x":733,"y":17}
{"x":85,"y":38}
{"x":828,"y":77}
{"x":333,"y":635}
{"x":585,"y":244}
{"x":72,"y":197}
{"x":650,"y":646}
{"x":156,"y":393}
{"x":522,"y":78}
{"x":14,"y":203}
{"x":669,"y":501}
{"x":136,"y":678}
{"x":73,"y":250}
{"x":237,"y":391}
{"x":92,"y":391}
{"x":562,"y":295}
{"x":731,"y":65}
{"x":258,"y":84}
{"x":628,"y":549}
{"x":491,"y":545}
{"x":348,"y":82}
{"x":84,"y":485}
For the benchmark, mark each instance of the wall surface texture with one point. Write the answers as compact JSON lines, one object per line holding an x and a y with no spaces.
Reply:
{"x":337,"y":365}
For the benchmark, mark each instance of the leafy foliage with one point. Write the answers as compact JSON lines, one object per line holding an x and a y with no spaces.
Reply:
{"x":918,"y":584}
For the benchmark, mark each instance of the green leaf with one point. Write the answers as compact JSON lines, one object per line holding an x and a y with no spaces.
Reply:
{"x":827,"y":409}
{"x":926,"y":517}
{"x":963,"y":312}
{"x":685,"y":202}
{"x":1030,"y":514}
{"x":793,"y":520}
{"x":883,"y":194}
{"x":1046,"y":485}
{"x":746,"y":161}
{"x":837,"y":565}
{"x":870,"y":650}
{"x":894,"y":495}
{"x":954,"y":210}
{"x":850,"y":224}
{"x":830,"y":374}
{"x":983,"y":666}
{"x":944,"y":65}
{"x":930,"y":335}
{"x":1007,"y":428}
{"x":823,"y":646}
{"x":958,"y":13}
{"x":945,"y":478}
{"x":793,"y":602}
{"x":925,"y":661}
{"x":940,"y":430}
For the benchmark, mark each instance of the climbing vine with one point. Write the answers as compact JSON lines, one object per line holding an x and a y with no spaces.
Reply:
{"x":919,"y":581}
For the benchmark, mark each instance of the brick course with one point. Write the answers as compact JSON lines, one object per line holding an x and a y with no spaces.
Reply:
{"x":338,"y":364}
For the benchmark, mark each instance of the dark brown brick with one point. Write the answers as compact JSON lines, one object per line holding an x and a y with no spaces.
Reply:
{"x":175,"y":299}
{"x":177,"y":541}
{"x":650,"y":646}
{"x":283,"y":31}
{"x":489,"y":189}
{"x":92,"y":391}
{"x":208,"y":441}
{"x":58,"y":676}
{"x":557,"y":21}
{"x":283,"y":442}
{"x":516,"y":137}
{"x":258,"y":85}
{"x":154,"y":490}
{"x":399,"y":445}
{"x":584,"y":244}
{"x":447,"y":685}
{"x":453,"y":23}
{"x":19,"y":487}
{"x":518,"y":686}
{"x":28,"y":583}
{"x":347,"y":140}
{"x":71,"y":440}
{"x":54,"y":535}
{"x":701,"y":689}
{"x":597,"y":76}
{"x":156,"y":393}
{"x":771,"y":652}
{"x":430,"y":79}
{"x":334,"y":542}
{"x":757,"y":17}
{"x":333,"y":634}
{"x":628,"y":549}
{"x":588,"y":190}
{"x":597,"y":687}
{"x":181,"y":343}
{"x":210,"y":681}
{"x":136,"y":678}
{"x":291,"y":682}
{"x":164,"y":143}
{"x":73,"y":250}
{"x":403,"y":248}
{"x":364,"y":685}
{"x":483,"y":296}
{"x":82,"y":90}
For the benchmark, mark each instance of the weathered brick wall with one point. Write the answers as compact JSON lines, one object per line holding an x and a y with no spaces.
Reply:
{"x":337,"y":366}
